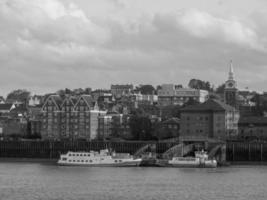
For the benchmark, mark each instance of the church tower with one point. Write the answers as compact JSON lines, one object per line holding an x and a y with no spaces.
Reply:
{"x":230,"y":91}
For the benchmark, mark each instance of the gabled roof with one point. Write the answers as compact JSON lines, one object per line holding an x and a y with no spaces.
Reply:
{"x":6,"y":106}
{"x":209,"y":105}
{"x":19,"y":109}
{"x":72,"y":99}
{"x":88,"y":100}
{"x":56,"y":99}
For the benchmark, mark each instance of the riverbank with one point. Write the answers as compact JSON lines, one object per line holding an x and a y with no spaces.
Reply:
{"x":54,"y":161}
{"x":33,"y":160}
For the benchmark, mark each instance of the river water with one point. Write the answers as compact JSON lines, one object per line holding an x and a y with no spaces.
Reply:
{"x":48,"y":181}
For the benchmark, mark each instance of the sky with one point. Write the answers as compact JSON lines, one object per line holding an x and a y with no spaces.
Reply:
{"x":46,"y":45}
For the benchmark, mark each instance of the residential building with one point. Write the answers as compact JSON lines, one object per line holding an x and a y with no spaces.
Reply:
{"x":35,"y":127}
{"x":2,"y":100}
{"x":67,"y":117}
{"x":6,"y":108}
{"x":121,"y":90}
{"x":211,"y":119}
{"x":104,"y":126}
{"x":147,"y":99}
{"x":70,"y":118}
{"x":12,"y":128}
{"x":171,"y":95}
{"x":252,"y":128}
{"x":35,"y":100}
{"x":106,"y":94}
{"x":51,"y":116}
{"x":169,"y":128}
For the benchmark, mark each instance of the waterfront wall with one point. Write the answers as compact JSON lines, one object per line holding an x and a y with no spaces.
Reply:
{"x":52,"y":149}
{"x":235,"y":151}
{"x":246,"y":152}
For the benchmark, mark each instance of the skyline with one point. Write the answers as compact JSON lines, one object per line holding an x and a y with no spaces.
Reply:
{"x":55,"y":44}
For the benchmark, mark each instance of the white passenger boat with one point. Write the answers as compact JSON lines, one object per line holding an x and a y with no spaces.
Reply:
{"x":200,"y":160}
{"x":94,"y":158}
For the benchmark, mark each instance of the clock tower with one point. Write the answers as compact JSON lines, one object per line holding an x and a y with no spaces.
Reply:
{"x":230,"y":91}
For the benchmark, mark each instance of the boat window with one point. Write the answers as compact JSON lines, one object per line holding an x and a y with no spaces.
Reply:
{"x":82,"y":161}
{"x":91,"y":161}
{"x":70,"y":154}
{"x":64,"y":158}
{"x":116,"y":161}
{"x":81,"y":154}
{"x":69,"y":160}
{"x":86,"y":161}
{"x":102,"y":158}
{"x":84,"y":155}
{"x":78,"y":161}
{"x":73,"y":160}
{"x":120,"y":160}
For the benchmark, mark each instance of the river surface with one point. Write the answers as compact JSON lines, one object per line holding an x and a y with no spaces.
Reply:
{"x":46,"y":181}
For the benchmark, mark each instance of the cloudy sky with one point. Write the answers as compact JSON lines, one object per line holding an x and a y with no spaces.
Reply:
{"x":46,"y":45}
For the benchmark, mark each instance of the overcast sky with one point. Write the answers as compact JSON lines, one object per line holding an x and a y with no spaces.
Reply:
{"x":46,"y":45}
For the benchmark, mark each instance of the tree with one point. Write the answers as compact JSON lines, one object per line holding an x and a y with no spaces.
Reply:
{"x":199,"y":84}
{"x":170,"y":111}
{"x":220,"y":89}
{"x":18,"y":95}
{"x":190,"y":102}
{"x":146,"y":89}
{"x":140,"y":125}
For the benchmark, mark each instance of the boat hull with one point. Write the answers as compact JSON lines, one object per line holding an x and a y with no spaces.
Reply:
{"x":133,"y":163}
{"x":191,"y":166}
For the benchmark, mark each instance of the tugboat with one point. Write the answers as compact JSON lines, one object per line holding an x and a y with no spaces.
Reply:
{"x":200,"y":160}
{"x":94,"y":158}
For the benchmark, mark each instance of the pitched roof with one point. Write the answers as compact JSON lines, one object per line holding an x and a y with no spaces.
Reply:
{"x":88,"y":100}
{"x":209,"y":105}
{"x":6,"y":106}
{"x":73,"y":100}
{"x":19,"y":109}
{"x":56,"y":99}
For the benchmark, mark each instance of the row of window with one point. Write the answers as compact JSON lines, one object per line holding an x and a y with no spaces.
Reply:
{"x":88,"y":160}
{"x":75,"y":154}
{"x":200,"y":118}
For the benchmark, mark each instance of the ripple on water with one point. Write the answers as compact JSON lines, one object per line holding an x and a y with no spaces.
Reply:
{"x":38,"y":181}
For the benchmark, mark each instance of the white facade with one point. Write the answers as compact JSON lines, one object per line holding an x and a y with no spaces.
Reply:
{"x":34,"y":100}
{"x":94,"y":115}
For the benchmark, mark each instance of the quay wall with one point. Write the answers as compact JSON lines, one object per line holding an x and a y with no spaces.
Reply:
{"x":235,"y":151}
{"x":52,"y":149}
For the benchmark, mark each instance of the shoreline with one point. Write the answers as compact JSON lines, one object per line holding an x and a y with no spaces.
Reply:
{"x":33,"y":160}
{"x":53,"y":160}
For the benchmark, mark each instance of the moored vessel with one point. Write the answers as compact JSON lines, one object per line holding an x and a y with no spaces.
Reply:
{"x":102,"y":158}
{"x":200,"y":160}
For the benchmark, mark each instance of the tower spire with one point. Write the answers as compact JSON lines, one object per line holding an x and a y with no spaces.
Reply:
{"x":231,"y":71}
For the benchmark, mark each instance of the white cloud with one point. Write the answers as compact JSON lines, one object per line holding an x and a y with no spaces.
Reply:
{"x":48,"y":44}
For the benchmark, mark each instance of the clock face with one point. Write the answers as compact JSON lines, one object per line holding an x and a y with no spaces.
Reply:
{"x":230,"y":84}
